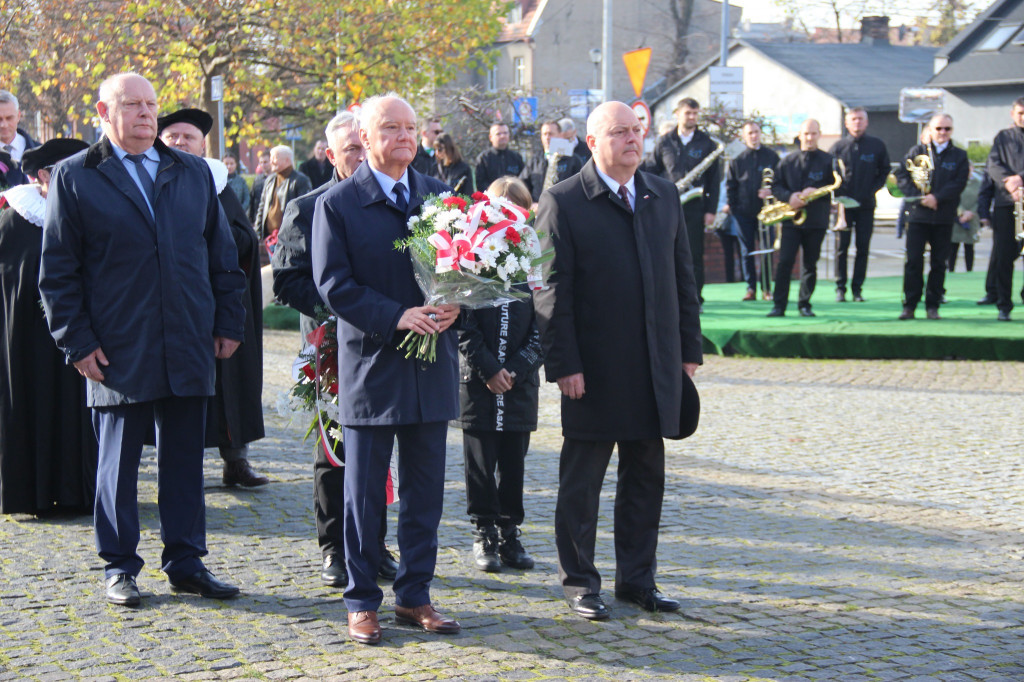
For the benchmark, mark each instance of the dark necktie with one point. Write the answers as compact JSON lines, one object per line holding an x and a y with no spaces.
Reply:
{"x":9,"y":149}
{"x":144,"y":177}
{"x":400,"y":200}
{"x":624,"y":193}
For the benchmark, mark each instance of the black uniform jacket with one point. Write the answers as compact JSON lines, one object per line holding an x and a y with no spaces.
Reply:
{"x":948,"y":181}
{"x":673,"y":160}
{"x":151,"y":291}
{"x":867,"y":166}
{"x":620,"y":307}
{"x":456,"y":175}
{"x":496,"y":163}
{"x":743,"y":179}
{"x":318,"y":173}
{"x":535,"y":171}
{"x":424,"y":162}
{"x":800,"y":170}
{"x":1006,"y":159}
{"x":492,"y":339}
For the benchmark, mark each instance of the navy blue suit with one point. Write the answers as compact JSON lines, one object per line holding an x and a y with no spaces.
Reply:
{"x":152,"y":289}
{"x":383,"y":395}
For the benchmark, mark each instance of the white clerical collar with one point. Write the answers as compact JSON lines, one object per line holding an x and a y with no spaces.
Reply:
{"x":614,"y":185}
{"x":387,"y":183}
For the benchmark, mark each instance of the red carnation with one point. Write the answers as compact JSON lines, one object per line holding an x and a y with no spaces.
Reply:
{"x":479,"y":196}
{"x":512,"y":235}
{"x":457,"y":202}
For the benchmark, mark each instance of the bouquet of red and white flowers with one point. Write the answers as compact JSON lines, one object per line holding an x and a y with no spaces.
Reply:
{"x":471,"y":254}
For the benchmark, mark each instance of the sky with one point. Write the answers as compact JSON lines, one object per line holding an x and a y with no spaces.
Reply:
{"x":815,"y":12}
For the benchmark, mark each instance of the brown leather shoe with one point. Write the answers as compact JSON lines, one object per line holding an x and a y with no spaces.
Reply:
{"x":428,"y":618}
{"x":750,"y":295}
{"x":363,"y":627}
{"x":240,"y":473}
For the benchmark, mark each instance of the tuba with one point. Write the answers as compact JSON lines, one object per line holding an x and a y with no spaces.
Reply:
{"x":684,"y":184}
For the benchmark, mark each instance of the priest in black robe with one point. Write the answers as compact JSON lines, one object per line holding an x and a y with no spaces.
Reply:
{"x":47,"y":446}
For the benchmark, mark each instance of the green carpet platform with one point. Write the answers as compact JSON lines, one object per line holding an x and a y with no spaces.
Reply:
{"x":864,"y":330}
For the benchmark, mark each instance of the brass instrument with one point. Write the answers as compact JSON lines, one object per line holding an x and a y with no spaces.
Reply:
{"x":764,"y":235}
{"x":920,"y":169}
{"x":684,"y":184}
{"x":719,"y":222}
{"x":1018,"y":217}
{"x":776,"y":211}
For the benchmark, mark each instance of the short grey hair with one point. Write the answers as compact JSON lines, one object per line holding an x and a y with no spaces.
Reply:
{"x":111,"y":87}
{"x":283,"y":150}
{"x":345,"y":119}
{"x":372,"y":107}
{"x":7,"y":97}
{"x":567,"y":125}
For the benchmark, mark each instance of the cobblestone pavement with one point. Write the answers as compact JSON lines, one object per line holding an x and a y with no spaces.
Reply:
{"x":839,"y":520}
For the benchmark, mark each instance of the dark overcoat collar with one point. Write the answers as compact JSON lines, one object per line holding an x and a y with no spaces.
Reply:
{"x":370,"y":191}
{"x":594,"y":186}
{"x":101,"y":156}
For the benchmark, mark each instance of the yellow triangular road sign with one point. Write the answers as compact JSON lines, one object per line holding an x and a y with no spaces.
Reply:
{"x":636,"y":66}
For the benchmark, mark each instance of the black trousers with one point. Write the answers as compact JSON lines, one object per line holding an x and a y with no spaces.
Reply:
{"x":937,"y":236}
{"x":1005,"y":250}
{"x":749,"y":242}
{"x":638,"y":498}
{"x":693,"y":213}
{"x":861,"y":222}
{"x":329,"y":504}
{"x":730,"y":249}
{"x":793,"y":240}
{"x":954,"y":249}
{"x":494,"y":465}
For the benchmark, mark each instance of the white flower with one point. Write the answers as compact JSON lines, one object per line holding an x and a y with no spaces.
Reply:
{"x":524,"y":263}
{"x":502,"y":274}
{"x":511,"y":264}
{"x":335,"y":433}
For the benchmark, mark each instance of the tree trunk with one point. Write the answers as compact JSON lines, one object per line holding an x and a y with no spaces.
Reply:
{"x":682,"y":12}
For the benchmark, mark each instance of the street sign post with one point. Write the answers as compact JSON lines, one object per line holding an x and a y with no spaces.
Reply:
{"x":643,"y":112}
{"x":637,"y":62}
{"x":217,"y":95}
{"x":726,"y":87}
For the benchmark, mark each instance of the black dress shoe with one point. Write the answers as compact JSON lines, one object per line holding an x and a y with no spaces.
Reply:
{"x":840,"y":295}
{"x":932,"y":313}
{"x":987,"y":301}
{"x":649,"y":599}
{"x":122,"y":590}
{"x":333,"y":572}
{"x":388,"y":568}
{"x":590,"y":606}
{"x":240,"y":473}
{"x":776,"y":312}
{"x":806,"y":312}
{"x":205,"y":585}
{"x":857,"y":298}
{"x":1004,"y":316}
{"x":907,"y":314}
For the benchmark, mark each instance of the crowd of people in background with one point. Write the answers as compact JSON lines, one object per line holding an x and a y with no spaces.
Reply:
{"x":178,"y":363}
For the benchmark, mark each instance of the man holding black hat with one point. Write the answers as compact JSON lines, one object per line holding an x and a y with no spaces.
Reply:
{"x":235,"y":414}
{"x":47,"y":447}
{"x":142,"y":291}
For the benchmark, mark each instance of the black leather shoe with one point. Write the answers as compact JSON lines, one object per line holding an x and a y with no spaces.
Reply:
{"x":333,"y":572}
{"x":205,"y":585}
{"x":932,"y":313}
{"x":987,"y":301}
{"x":649,"y":599}
{"x":1003,"y":316}
{"x":511,"y":550}
{"x":485,"y":549}
{"x":590,"y":606}
{"x":240,"y":473}
{"x":857,"y":298}
{"x":907,"y":314}
{"x":388,"y":568}
{"x":840,"y":295}
{"x":806,"y":312}
{"x":122,"y":590}
{"x":776,"y":312}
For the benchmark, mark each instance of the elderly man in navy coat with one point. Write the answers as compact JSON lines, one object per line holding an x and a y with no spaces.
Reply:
{"x":384,"y":396}
{"x":142,"y":290}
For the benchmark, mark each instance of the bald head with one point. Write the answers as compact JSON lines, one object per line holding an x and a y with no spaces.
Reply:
{"x":388,"y":133}
{"x":615,"y":137}
{"x":810,"y":133}
{"x":127,"y":108}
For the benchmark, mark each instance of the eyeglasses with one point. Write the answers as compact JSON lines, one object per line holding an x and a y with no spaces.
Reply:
{"x":945,"y":128}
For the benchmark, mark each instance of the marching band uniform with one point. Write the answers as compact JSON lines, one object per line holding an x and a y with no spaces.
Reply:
{"x":948,"y":179}
{"x":798,"y":171}
{"x":743,"y":180}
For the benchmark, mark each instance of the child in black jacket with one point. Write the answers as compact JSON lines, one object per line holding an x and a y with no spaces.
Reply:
{"x":499,"y":358}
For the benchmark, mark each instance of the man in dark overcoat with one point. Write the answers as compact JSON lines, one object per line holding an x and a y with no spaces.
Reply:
{"x":619,"y":324}
{"x":384,"y":396}
{"x":142,"y":291}
{"x":235,"y":413}
{"x":1006,"y":168}
{"x":295,"y":287}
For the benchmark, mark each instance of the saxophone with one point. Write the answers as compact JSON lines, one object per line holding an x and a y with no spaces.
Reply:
{"x":776,"y":211}
{"x":684,"y":183}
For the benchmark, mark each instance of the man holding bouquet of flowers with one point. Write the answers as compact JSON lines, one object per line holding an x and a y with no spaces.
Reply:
{"x":621,"y":335}
{"x":385,"y":395}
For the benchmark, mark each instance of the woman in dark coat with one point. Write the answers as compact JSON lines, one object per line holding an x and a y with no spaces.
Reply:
{"x":47,"y":446}
{"x":451,"y":169}
{"x":499,"y":358}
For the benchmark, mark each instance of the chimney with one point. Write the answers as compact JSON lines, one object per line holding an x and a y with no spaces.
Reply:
{"x":874,"y":30}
